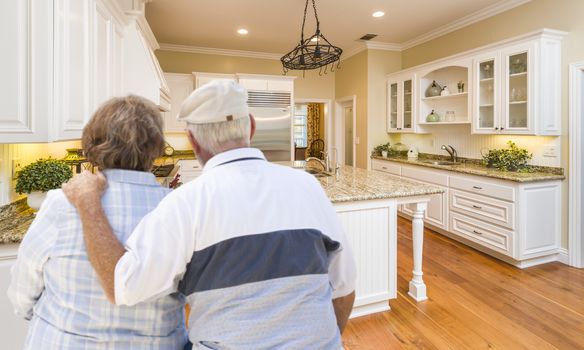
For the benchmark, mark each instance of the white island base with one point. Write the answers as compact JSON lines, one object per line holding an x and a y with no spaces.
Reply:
{"x":371,"y":227}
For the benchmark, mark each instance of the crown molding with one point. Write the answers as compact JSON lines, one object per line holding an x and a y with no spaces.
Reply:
{"x":376,"y":45}
{"x":360,"y":47}
{"x":495,"y":9}
{"x":222,"y":52}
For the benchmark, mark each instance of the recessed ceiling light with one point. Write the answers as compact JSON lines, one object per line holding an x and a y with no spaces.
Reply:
{"x":242,"y":31}
{"x":378,"y":14}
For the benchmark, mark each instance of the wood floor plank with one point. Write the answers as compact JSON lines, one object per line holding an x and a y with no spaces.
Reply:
{"x":475,"y":302}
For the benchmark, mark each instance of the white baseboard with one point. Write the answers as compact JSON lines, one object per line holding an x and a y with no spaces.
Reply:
{"x":563,"y":256}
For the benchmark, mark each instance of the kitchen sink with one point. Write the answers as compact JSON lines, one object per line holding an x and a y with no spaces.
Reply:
{"x":440,"y":162}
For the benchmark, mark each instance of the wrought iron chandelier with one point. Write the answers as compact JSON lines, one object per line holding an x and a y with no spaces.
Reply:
{"x":312,"y":53}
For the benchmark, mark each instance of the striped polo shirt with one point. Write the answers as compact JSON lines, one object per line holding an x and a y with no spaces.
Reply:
{"x":257,"y":248}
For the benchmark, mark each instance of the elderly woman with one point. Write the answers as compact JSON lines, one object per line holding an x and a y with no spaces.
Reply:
{"x":53,"y":283}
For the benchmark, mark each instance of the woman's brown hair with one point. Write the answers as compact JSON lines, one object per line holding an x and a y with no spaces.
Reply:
{"x":124,"y":133}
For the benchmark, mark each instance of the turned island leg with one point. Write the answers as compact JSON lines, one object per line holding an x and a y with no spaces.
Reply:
{"x":417,"y":286}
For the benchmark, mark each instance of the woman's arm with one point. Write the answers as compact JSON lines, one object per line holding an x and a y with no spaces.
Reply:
{"x":27,"y":284}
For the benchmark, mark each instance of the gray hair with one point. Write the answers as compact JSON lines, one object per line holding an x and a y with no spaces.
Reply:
{"x":222,"y":136}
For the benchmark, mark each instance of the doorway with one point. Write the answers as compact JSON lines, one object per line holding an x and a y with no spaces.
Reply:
{"x":348,"y":135}
{"x":312,"y":128}
{"x":345,"y":127}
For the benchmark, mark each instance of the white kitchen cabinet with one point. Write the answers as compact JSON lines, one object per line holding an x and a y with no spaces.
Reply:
{"x":189,"y":169}
{"x":180,"y":86}
{"x":400,"y":104}
{"x":518,"y":87}
{"x":26,"y":70}
{"x":260,"y":82}
{"x":204,"y":78}
{"x":517,"y":222}
{"x":14,"y":328}
{"x":65,"y":54}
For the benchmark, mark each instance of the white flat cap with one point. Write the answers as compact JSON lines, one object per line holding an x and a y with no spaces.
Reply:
{"x":217,"y":101}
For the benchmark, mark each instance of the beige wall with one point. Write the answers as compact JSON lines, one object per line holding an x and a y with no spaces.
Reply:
{"x":351,"y":80}
{"x":380,"y":63}
{"x":564,"y":15}
{"x":311,"y":86}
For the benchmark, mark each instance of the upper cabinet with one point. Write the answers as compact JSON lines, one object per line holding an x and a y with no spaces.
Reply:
{"x":519,"y":87}
{"x":511,"y":87}
{"x":64,"y":58}
{"x":400,"y":104}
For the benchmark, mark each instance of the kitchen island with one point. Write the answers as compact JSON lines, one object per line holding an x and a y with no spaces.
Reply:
{"x":367,"y":204}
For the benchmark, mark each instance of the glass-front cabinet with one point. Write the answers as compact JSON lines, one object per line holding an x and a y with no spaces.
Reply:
{"x":502,"y":100}
{"x":400,"y":105}
{"x":487,"y":87}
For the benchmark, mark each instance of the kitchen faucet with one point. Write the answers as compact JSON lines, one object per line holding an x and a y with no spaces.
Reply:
{"x":326,"y":164}
{"x":451,"y":151}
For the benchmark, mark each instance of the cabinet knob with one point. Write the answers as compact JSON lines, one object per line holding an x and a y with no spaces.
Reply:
{"x":502,"y":128}
{"x":496,"y":128}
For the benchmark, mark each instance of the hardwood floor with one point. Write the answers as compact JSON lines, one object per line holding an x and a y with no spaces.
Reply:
{"x":475,"y":302}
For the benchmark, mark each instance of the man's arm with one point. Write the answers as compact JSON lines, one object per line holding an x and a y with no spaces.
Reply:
{"x":343,"y":307}
{"x":104,"y":250}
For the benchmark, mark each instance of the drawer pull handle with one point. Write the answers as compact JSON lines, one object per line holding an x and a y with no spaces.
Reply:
{"x":477,"y":188}
{"x":477,"y":207}
{"x":383,"y":168}
{"x":477,"y":232}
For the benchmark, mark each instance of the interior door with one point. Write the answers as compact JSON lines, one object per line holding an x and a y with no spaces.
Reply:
{"x":349,"y":134}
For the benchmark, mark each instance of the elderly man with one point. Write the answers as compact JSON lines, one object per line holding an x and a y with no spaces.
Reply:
{"x":257,"y":247}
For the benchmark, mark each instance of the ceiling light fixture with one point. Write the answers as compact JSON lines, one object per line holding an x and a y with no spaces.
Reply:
{"x":314,"y":52}
{"x":378,"y":14}
{"x":242,"y":31}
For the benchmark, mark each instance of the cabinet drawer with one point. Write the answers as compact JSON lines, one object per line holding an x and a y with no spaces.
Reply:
{"x":487,"y":235}
{"x":190,"y":165}
{"x":429,"y":176}
{"x":386,"y":167}
{"x":485,"y":188}
{"x":485,"y":208}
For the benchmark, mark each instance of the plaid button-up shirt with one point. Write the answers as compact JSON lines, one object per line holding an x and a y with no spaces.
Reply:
{"x":54,"y":285}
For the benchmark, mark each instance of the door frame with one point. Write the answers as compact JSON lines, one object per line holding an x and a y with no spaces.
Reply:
{"x":328,"y":122}
{"x":339,"y":126}
{"x":576,"y":111}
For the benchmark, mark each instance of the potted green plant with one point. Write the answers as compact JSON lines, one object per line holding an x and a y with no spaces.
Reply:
{"x":39,"y":177}
{"x":382,"y":150}
{"x":512,"y":158}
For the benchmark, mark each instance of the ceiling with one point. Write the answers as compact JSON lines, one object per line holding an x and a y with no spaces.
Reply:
{"x":274,"y":25}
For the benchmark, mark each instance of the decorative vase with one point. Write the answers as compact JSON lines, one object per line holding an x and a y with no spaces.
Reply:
{"x":433,"y":90}
{"x":35,"y":199}
{"x":384,"y":154}
{"x":433,"y":117}
{"x":445,"y":91}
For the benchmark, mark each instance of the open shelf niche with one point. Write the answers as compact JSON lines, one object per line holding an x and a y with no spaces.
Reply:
{"x":456,"y":101}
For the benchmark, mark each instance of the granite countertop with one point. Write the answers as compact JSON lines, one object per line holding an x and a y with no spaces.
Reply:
{"x":473,"y":167}
{"x":355,"y":184}
{"x":15,"y":218}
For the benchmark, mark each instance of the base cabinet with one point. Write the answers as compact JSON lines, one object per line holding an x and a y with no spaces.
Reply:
{"x":14,"y":328}
{"x":516,"y":222}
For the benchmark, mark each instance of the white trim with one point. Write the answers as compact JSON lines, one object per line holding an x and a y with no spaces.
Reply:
{"x":116,"y":11}
{"x":328,"y":119}
{"x":376,"y":45}
{"x":339,"y":131}
{"x":353,"y":51}
{"x":221,"y":52}
{"x":576,"y":108}
{"x":475,"y":17}
{"x":540,"y":33}
{"x":563,"y":256}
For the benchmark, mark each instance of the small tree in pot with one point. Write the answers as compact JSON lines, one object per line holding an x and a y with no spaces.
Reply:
{"x":41,"y":176}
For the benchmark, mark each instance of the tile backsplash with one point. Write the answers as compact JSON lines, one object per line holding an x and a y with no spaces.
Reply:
{"x":471,"y":146}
